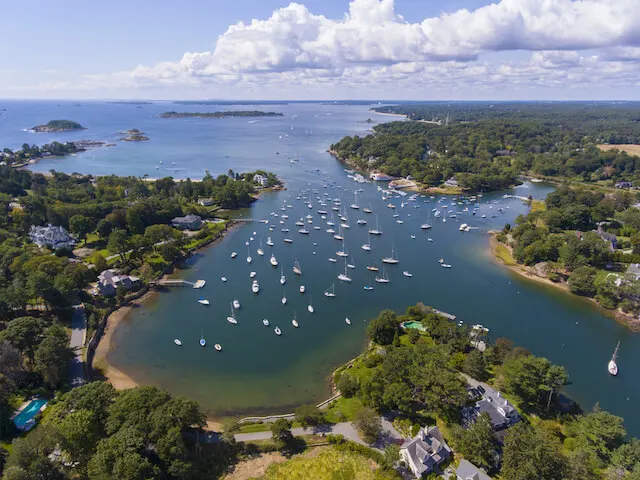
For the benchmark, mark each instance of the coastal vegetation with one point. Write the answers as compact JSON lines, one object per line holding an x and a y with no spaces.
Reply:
{"x":486,"y":147}
{"x":585,"y":240}
{"x":230,"y":113}
{"x":134,"y":135}
{"x":33,"y":152}
{"x":58,"y":126}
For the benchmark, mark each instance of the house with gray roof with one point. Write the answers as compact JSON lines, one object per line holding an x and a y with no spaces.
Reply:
{"x":501,"y":413}
{"x":51,"y":236}
{"x":110,"y":280}
{"x":189,"y":222}
{"x":424,"y":452}
{"x":468,"y":471}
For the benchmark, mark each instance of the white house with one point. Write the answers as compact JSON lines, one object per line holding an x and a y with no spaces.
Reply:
{"x":425,"y":451}
{"x":205,"y":202}
{"x":260,"y":179}
{"x":51,"y":237}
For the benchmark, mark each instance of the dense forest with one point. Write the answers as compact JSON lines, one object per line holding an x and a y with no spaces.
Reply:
{"x":488,"y":150}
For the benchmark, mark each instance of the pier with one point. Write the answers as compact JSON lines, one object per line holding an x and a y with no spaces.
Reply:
{"x":176,"y":282}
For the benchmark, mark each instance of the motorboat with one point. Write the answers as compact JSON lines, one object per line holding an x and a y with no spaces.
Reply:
{"x":203,"y":301}
{"x":333,"y":260}
{"x":177,"y":342}
{"x":372,"y":268}
{"x":288,"y":240}
{"x":224,"y":279}
{"x":252,"y":274}
{"x":407,"y":274}
{"x":302,"y":289}
{"x":284,"y":300}
{"x":277,"y":331}
{"x":234,"y":254}
{"x":303,"y":231}
{"x":347,"y":321}
{"x":368,"y":288}
{"x":218,"y":347}
{"x":310,"y":306}
{"x":270,"y":242}
{"x":273,"y":260}
{"x":265,"y":322}
{"x":463,"y":227}
{"x":445,"y":265}
{"x":255,"y":287}
{"x":236,"y":304}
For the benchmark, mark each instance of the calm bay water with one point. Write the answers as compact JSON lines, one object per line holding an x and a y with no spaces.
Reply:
{"x":259,"y":372}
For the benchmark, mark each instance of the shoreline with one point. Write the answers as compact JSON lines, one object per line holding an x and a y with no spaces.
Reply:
{"x":629,"y":321}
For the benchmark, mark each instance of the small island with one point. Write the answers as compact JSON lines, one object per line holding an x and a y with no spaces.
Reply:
{"x":134,"y":135}
{"x":237,"y":113}
{"x":58,"y":126}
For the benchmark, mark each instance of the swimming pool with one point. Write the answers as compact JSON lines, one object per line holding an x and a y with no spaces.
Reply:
{"x":23,"y":420}
{"x":416,"y":325}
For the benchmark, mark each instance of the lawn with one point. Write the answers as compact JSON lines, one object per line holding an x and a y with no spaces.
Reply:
{"x":504,"y":255}
{"x":538,"y":206}
{"x":261,"y":427}
{"x":343,"y":409}
{"x":328,"y":465}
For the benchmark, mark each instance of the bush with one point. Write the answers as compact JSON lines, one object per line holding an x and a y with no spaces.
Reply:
{"x":373,"y":360}
{"x":348,"y":385}
{"x":554,"y":277}
{"x":581,"y":281}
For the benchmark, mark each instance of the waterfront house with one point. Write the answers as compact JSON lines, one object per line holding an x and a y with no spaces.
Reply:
{"x":205,"y":202}
{"x":468,"y":471}
{"x":110,"y":280}
{"x":380,"y":177}
{"x":52,"y":237}
{"x":189,"y":222}
{"x":260,"y":179}
{"x":424,"y":452}
{"x":452,"y":182}
{"x":501,"y":413}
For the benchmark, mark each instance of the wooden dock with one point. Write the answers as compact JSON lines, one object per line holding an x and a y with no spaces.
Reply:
{"x":172,"y":282}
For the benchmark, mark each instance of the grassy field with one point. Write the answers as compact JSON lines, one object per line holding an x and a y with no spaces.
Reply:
{"x":538,"y":206}
{"x":261,"y":427}
{"x":328,"y":465}
{"x":504,"y":255}
{"x":629,"y":148}
{"x":343,"y":409}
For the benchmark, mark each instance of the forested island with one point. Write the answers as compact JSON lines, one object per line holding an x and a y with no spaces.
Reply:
{"x":58,"y":126}
{"x":231,"y":113}
{"x":486,"y":147}
{"x":32,"y":153}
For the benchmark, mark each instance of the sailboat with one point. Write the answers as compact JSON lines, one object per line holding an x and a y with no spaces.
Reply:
{"x":376,"y":231}
{"x":249,"y":259}
{"x":343,"y":252}
{"x":355,"y":205}
{"x":269,"y":242}
{"x":277,"y":331}
{"x":284,"y":298}
{"x":273,"y":260}
{"x":296,"y":267}
{"x":338,"y":236}
{"x":260,"y":249}
{"x":367,"y":246}
{"x":367,"y":209}
{"x":331,"y":291}
{"x":203,"y":342}
{"x":427,"y":226}
{"x":218,"y":347}
{"x":343,"y":277}
{"x":310,"y":306}
{"x":382,"y":279}
{"x":203,"y":301}
{"x":232,"y":318}
{"x":177,"y":342}
{"x":352,"y":264}
{"x":294,"y":322}
{"x":613,"y":366}
{"x":347,"y":321}
{"x":283,"y":279}
{"x":393,"y":259}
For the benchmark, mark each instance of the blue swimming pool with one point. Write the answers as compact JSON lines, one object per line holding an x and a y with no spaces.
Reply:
{"x":22,"y":419}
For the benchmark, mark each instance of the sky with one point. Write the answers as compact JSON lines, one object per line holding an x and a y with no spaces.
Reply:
{"x":321,"y":49}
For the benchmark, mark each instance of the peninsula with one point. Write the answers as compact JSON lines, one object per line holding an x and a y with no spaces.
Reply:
{"x":58,"y":126}
{"x":237,"y":113}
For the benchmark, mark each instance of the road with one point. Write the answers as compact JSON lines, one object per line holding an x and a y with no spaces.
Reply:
{"x":78,"y":335}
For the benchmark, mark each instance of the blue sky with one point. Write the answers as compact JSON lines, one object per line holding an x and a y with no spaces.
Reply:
{"x":407,"y":49}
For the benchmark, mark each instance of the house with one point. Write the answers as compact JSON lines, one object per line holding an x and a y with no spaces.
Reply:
{"x":452,"y":182}
{"x":633,"y":270}
{"x":624,"y":184}
{"x":110,"y":280}
{"x":380,"y":177}
{"x":504,"y":153}
{"x":51,"y":237}
{"x":610,"y":238}
{"x":468,"y":471}
{"x":190,"y":222}
{"x":260,"y":179}
{"x":205,"y":202}
{"x":501,"y":413}
{"x":425,"y":451}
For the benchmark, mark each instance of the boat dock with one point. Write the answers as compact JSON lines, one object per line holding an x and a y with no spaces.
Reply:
{"x":444,"y":314}
{"x":176,"y":282}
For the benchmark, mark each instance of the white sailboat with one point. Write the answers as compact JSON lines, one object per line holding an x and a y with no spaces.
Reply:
{"x":367,"y":209}
{"x":294,"y":322}
{"x":310,"y":306}
{"x":269,"y":242}
{"x":355,"y":205}
{"x":343,"y":252}
{"x":232,"y":318}
{"x":218,"y":347}
{"x":273,"y":260}
{"x":236,"y":304}
{"x":331,"y":291}
{"x":427,"y":226}
{"x":343,"y":277}
{"x":283,"y":279}
{"x":613,"y":366}
{"x":277,"y":331}
{"x":260,"y":249}
{"x":203,"y":342}
{"x":393,"y":259}
{"x":265,"y":322}
{"x":376,"y":231}
{"x":234,"y":254}
{"x":347,"y":321}
{"x":177,"y":342}
{"x":297,"y":269}
{"x":249,"y":259}
{"x":382,"y":279}
{"x":367,"y":246}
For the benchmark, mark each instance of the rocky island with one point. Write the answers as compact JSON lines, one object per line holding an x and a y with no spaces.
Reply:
{"x":134,"y":135}
{"x":58,"y":126}
{"x":236,"y":113}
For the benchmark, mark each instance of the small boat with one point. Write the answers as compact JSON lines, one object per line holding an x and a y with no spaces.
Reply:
{"x":203,"y":301}
{"x":303,"y":231}
{"x":441,"y":260}
{"x":283,"y":279}
{"x":361,"y":222}
{"x":236,"y":304}
{"x":203,"y":342}
{"x":269,"y":242}
{"x":367,"y":210}
{"x":407,"y":274}
{"x":613,"y":366}
{"x":368,"y":288}
{"x":255,"y":287}
{"x":218,"y":347}
{"x":232,"y":317}
{"x":265,"y":322}
{"x":234,"y":254}
{"x":249,"y":259}
{"x":347,"y":321}
{"x":393,"y":259}
{"x":463,"y":227}
{"x":376,"y":231}
{"x":294,"y":322}
{"x":288,"y":240}
{"x":177,"y":342}
{"x":297,"y":269}
{"x":252,"y":274}
{"x":445,"y":265}
{"x":310,"y":306}
{"x":302,"y":289}
{"x":331,"y":291}
{"x":333,"y":260}
{"x":372,"y":268}
{"x":224,"y":279}
{"x":273,"y":260}
{"x":343,"y":277}
{"x":284,"y":300}
{"x":430,"y":239}
{"x":277,"y":331}
{"x":382,"y":279}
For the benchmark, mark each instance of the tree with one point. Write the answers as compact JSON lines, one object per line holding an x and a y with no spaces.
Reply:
{"x":599,"y":432}
{"x":29,"y":456}
{"x":475,"y":366}
{"x":527,"y":377}
{"x":581,"y":281}
{"x":368,"y":424}
{"x":100,"y":263}
{"x":309,"y":415}
{"x":118,"y":243}
{"x":281,"y":433}
{"x":477,"y":443}
{"x":81,"y":225}
{"x":104,"y":228}
{"x":382,"y":329}
{"x":627,"y":455}
{"x":24,"y":333}
{"x":555,"y":378}
{"x":348,"y":385}
{"x":530,"y":454}
{"x":52,"y":356}
{"x":229,"y":428}
{"x":80,"y":433}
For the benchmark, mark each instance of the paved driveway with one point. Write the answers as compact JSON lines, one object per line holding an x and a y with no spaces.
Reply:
{"x":76,"y":343}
